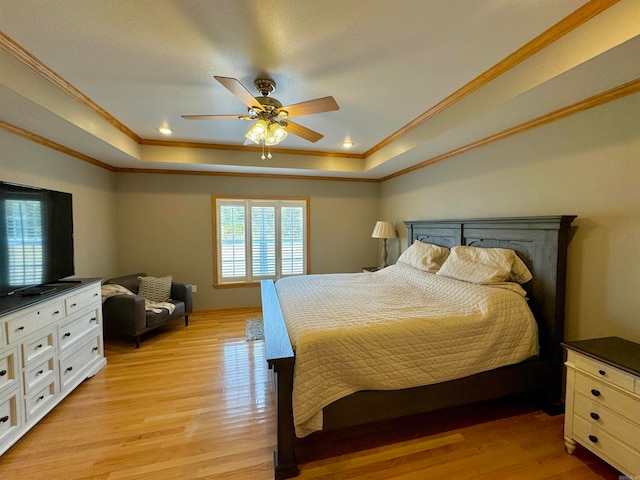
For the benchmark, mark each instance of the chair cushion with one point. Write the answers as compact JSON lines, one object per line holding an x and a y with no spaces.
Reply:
{"x":155,"y":319}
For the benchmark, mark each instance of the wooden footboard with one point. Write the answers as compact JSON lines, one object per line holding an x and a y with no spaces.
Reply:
{"x":281,"y":360}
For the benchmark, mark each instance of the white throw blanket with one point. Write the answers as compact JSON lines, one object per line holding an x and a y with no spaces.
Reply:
{"x":111,"y":289}
{"x":393,"y":329}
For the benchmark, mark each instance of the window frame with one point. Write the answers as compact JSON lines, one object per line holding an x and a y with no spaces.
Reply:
{"x":249,"y":200}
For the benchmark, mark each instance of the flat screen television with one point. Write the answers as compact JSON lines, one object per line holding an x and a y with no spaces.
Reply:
{"x":36,"y":238}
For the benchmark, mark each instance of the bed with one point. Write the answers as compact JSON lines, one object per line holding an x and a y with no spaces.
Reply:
{"x":541,"y":244}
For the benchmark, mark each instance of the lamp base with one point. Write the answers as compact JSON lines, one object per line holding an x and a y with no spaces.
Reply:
{"x":384,"y":254}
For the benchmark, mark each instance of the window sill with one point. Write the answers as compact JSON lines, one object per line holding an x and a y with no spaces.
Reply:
{"x":236,"y":285}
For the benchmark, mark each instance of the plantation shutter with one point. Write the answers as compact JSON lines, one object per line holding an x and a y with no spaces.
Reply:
{"x":263,"y":241}
{"x":232,"y":241}
{"x":292,"y":240}
{"x":260,"y":239}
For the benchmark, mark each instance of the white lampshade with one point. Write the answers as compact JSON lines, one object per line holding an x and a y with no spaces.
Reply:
{"x":384,"y":230}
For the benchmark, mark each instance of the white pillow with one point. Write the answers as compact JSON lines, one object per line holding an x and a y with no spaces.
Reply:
{"x":424,"y":256}
{"x":155,"y":289}
{"x":485,"y":266}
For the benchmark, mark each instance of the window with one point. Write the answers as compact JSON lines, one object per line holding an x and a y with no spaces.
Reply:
{"x":259,"y":238}
{"x":24,"y":223}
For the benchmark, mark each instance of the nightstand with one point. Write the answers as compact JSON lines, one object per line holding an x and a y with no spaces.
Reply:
{"x":602,"y":410}
{"x":370,"y":269}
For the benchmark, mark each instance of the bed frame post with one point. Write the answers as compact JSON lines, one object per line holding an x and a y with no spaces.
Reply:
{"x":284,"y":458}
{"x":279,"y":355}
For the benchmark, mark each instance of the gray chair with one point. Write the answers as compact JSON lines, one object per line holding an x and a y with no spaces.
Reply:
{"x":126,"y":314}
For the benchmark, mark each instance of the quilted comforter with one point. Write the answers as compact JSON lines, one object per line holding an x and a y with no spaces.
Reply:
{"x":397,"y":328}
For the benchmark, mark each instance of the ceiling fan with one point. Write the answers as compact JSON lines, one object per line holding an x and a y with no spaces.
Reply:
{"x":272,"y":119}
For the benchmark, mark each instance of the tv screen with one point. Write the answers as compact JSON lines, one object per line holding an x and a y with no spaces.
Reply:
{"x":36,"y":237}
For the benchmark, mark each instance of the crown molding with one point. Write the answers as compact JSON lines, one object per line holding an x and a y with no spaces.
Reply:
{"x":34,"y":137}
{"x":560,"y":29}
{"x":616,"y":93}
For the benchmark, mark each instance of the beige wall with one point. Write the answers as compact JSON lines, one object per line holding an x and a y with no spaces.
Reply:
{"x":164,"y":227}
{"x":588,"y":165}
{"x":93,"y":189}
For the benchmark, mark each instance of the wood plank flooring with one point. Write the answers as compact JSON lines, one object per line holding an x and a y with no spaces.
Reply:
{"x":196,"y":402}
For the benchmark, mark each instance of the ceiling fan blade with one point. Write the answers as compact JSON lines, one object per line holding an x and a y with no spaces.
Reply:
{"x":319,"y":105}
{"x":302,"y":132}
{"x":239,"y":90}
{"x":238,"y":116}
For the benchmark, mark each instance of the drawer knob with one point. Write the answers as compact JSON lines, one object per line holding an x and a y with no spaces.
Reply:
{"x":73,"y":305}
{"x":69,"y":369}
{"x":39,"y":372}
{"x":595,"y":393}
{"x":595,"y":416}
{"x":68,"y":334}
{"x":3,"y":373}
{"x":20,"y":328}
{"x":93,"y":319}
{"x":57,"y":312}
{"x":593,"y":438}
{"x":602,"y":372}
{"x":41,"y":397}
{"x":39,"y":345}
{"x":4,"y":419}
{"x":94,"y":349}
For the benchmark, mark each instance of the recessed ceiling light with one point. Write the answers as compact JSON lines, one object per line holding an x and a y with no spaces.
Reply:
{"x":348,"y":144}
{"x":165,"y":130}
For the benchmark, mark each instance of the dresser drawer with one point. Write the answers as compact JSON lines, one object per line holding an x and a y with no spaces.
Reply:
{"x":39,"y":374}
{"x":10,"y":418}
{"x":82,"y":300}
{"x":601,"y":443}
{"x":41,"y":347}
{"x":73,"y":366}
{"x":20,"y":327}
{"x":40,"y":399}
{"x":604,"y":371}
{"x":611,"y":398}
{"x":614,"y":424}
{"x":74,"y":329}
{"x":9,"y":370}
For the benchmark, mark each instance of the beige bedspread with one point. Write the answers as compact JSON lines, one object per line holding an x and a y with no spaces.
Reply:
{"x":396,"y":328}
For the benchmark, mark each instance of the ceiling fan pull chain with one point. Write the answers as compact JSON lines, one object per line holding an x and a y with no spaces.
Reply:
{"x":263,"y":157}
{"x":269,"y":154}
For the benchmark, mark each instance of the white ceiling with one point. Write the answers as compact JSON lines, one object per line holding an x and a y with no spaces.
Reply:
{"x":386,"y":62}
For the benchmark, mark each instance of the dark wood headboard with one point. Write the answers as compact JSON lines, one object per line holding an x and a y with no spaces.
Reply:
{"x":541,"y":242}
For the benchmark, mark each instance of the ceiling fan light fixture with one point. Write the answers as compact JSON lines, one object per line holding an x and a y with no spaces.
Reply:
{"x":258,"y":131}
{"x":275,"y":134}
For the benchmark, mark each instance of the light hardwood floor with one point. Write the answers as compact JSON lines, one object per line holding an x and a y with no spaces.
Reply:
{"x":197,"y":403}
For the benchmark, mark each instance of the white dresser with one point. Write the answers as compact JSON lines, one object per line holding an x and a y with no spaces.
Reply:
{"x":48,"y":345}
{"x":602,"y":410}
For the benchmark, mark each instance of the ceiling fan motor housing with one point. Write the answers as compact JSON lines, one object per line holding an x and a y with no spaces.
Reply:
{"x":270,"y":105}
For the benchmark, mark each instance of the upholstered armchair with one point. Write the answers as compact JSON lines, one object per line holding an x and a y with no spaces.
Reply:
{"x":136,"y":304}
